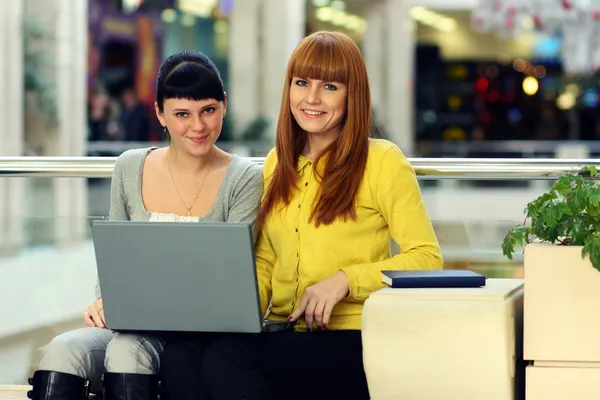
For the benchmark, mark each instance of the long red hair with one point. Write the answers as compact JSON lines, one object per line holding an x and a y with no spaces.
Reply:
{"x":330,"y":57}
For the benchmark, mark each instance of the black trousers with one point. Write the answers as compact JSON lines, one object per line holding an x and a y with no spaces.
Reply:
{"x":269,"y":366}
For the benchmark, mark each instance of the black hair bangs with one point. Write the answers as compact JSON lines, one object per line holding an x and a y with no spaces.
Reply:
{"x":191,"y":81}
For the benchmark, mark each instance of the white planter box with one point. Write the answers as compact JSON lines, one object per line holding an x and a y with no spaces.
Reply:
{"x":562,"y":383}
{"x":562,"y":305}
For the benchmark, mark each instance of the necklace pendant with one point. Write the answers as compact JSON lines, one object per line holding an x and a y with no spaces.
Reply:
{"x":189,"y":213}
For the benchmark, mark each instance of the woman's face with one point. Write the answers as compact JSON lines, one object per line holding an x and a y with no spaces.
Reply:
{"x":319,"y":107}
{"x":194,"y":125}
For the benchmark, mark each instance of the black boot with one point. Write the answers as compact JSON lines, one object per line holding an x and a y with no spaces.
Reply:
{"x":129,"y":386}
{"x":50,"y":385}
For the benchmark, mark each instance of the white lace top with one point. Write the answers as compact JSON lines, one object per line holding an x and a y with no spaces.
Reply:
{"x":168,"y":217}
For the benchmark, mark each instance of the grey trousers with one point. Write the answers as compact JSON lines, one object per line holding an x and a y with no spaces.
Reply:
{"x":89,"y":352}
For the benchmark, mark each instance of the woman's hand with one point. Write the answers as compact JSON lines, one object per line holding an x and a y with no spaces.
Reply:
{"x":93,"y":316}
{"x":319,"y":299}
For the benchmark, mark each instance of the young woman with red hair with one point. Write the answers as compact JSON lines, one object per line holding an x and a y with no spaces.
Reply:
{"x":333,"y":198}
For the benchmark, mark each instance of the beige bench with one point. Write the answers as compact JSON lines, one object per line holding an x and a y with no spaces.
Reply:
{"x":445,"y":344}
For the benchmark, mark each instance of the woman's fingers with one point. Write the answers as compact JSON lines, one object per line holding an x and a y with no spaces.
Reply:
{"x":320,"y":313}
{"x":300,"y":309}
{"x":309,"y":313}
{"x":87,"y":319}
{"x":95,"y":317}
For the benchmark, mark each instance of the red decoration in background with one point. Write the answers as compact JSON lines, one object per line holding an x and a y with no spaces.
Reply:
{"x":576,"y":19}
{"x":482,"y":84}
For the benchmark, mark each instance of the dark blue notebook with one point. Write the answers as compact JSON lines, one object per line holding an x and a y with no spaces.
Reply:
{"x":432,"y":279}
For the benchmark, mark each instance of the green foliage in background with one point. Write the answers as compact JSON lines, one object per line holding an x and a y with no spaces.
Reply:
{"x":38,"y":67}
{"x":256,"y":130}
{"x":568,"y":214}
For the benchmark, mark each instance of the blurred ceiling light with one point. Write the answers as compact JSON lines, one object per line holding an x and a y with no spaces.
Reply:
{"x":338,"y":5}
{"x":131,"y":5}
{"x":363,"y":27}
{"x":417,"y":11}
{"x":566,"y":101}
{"x":324,"y":14}
{"x":320,"y":3}
{"x":530,"y":85}
{"x":168,"y":16}
{"x":339,"y":18}
{"x":360,"y":26}
{"x":428,"y":19}
{"x":353,"y":22}
{"x":447,"y":25}
{"x":188,"y":20}
{"x":433,"y":19}
{"x":200,"y":8}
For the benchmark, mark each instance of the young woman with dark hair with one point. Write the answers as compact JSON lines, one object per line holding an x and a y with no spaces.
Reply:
{"x":191,"y":180}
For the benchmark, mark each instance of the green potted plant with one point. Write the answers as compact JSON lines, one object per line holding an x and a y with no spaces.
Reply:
{"x":561,"y":242}
{"x":568,"y":215}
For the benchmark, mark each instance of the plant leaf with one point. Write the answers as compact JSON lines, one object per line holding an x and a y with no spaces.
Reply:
{"x":516,"y":236}
{"x":594,"y":196}
{"x":592,"y":249}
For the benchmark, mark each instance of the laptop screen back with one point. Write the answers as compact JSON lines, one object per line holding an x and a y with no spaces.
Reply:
{"x":162,"y":276}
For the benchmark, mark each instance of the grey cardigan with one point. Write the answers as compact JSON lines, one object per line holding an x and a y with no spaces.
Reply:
{"x":238,"y":198}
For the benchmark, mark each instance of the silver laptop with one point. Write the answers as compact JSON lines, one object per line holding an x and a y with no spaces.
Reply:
{"x":184,"y":277}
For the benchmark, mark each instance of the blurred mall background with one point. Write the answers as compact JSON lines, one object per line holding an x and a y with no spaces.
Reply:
{"x":450,"y":78}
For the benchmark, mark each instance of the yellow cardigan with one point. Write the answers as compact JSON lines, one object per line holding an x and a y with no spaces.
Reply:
{"x":292,"y":254}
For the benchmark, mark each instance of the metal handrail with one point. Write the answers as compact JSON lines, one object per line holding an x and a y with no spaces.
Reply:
{"x":507,"y":146}
{"x":425,"y":168}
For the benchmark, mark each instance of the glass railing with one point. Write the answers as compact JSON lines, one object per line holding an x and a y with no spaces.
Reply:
{"x":47,"y":262}
{"x":46,"y":281}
